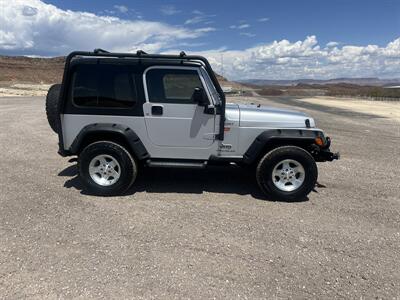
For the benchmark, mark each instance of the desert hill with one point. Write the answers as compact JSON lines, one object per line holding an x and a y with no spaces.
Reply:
{"x":353,"y":81}
{"x":21,"y":69}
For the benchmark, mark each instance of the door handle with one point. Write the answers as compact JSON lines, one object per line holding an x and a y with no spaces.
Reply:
{"x":157,"y":110}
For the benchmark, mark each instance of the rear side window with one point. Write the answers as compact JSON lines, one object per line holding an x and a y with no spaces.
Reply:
{"x":172,"y":85}
{"x":103,"y":86}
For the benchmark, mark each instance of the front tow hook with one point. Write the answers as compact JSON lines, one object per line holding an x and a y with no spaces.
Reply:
{"x":336,"y":155}
{"x":326,"y":155}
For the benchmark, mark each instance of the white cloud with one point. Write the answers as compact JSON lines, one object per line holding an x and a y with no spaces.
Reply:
{"x":205,"y":29}
{"x":169,"y":10}
{"x":248,"y":34}
{"x":121,"y":8}
{"x":195,"y":20}
{"x":332,"y":44}
{"x":186,"y":44}
{"x":199,"y":17}
{"x":242,"y":26}
{"x":305,"y":59}
{"x":34,"y":27}
{"x":263,"y":19}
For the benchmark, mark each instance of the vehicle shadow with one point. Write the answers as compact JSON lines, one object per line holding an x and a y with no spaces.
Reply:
{"x":214,"y":179}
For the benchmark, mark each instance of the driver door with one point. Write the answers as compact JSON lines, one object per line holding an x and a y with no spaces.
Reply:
{"x":172,"y":118}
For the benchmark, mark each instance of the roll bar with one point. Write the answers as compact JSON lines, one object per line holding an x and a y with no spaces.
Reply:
{"x":142,"y":55}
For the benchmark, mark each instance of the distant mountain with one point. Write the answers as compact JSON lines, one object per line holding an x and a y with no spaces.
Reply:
{"x":357,"y":81}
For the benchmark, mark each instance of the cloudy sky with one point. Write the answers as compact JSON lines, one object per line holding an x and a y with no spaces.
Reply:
{"x":254,"y":39}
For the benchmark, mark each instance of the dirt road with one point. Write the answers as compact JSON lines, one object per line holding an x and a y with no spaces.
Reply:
{"x":383,"y":109}
{"x":200,"y":234}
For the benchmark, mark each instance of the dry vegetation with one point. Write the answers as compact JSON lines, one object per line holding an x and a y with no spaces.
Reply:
{"x":270,"y":91}
{"x":361,"y":91}
{"x":337,"y":90}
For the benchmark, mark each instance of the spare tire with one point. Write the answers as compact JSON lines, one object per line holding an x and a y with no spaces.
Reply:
{"x":53,"y":96}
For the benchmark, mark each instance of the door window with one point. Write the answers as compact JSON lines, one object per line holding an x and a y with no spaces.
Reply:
{"x":172,"y":85}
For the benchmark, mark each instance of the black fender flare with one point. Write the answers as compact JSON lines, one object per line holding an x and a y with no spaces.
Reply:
{"x":273,"y":137}
{"x":122,"y":131}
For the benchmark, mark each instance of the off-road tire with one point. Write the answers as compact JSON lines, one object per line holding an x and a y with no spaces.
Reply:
{"x":52,"y":99}
{"x":129,"y":168}
{"x":271,"y":159}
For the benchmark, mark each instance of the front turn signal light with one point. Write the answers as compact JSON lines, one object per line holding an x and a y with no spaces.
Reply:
{"x":319,"y":141}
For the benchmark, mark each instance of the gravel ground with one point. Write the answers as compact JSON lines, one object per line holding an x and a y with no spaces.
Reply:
{"x":200,"y":234}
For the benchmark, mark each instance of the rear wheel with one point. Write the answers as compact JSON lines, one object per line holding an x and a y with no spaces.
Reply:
{"x":107,"y":168}
{"x":287,"y":173}
{"x":52,"y":98}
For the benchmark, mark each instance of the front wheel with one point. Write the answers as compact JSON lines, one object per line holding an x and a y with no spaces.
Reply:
{"x":287,"y":173}
{"x":107,"y":168}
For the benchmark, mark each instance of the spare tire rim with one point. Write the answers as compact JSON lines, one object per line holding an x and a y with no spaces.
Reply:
{"x":288,"y":175}
{"x":104,"y":170}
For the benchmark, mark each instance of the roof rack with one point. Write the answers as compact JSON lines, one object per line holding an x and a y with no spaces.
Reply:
{"x":98,"y":52}
{"x":143,"y":55}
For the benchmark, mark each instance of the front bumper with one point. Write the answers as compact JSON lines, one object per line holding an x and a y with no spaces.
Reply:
{"x":326,"y":155}
{"x":323,"y":153}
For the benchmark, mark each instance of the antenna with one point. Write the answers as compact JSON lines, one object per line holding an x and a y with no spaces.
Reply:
{"x":222,"y":64}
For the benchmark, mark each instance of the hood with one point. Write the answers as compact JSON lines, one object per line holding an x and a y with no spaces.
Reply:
{"x":262,"y":116}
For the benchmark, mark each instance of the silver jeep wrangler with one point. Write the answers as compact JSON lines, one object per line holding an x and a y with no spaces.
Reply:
{"x":120,"y":112}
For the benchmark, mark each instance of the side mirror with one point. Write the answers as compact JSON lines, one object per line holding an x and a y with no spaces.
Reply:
{"x":200,"y":97}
